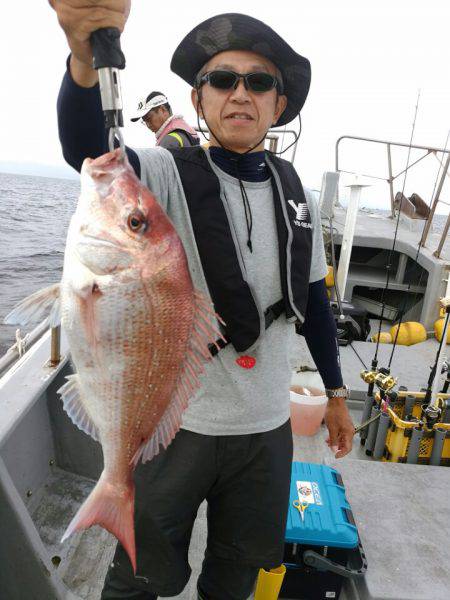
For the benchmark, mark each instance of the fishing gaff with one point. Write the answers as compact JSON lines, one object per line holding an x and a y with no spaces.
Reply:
{"x":108,"y":59}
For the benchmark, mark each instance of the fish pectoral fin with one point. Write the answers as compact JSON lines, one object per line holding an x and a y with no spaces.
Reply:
{"x":34,"y":307}
{"x":73,"y":405}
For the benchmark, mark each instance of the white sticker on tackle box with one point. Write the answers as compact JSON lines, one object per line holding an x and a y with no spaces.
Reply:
{"x":308,"y":491}
{"x":305,"y":494}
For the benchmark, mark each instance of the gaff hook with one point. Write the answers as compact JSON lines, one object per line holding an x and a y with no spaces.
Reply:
{"x":115,"y":132}
{"x":108,"y":59}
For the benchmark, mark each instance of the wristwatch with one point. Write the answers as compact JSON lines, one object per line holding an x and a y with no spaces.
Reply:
{"x":342,"y":392}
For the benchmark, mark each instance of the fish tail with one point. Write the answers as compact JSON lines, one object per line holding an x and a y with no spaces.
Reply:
{"x":113,"y":510}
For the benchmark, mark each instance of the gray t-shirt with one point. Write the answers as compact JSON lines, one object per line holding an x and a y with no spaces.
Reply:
{"x":234,"y":400}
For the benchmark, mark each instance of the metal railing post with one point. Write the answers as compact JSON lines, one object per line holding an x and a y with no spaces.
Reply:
{"x":435,"y":202}
{"x":437,"y":253}
{"x":55,"y":351}
{"x":273,"y":144}
{"x":391,"y":180}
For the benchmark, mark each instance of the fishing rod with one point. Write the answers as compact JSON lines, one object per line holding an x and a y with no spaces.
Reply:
{"x":386,"y":371}
{"x":381,"y":376}
{"x":399,"y":210}
{"x":108,"y":59}
{"x":431,"y":411}
{"x":419,"y":246}
{"x":374,"y":430}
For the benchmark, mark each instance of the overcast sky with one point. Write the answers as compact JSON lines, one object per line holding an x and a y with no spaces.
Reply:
{"x":369,"y":59}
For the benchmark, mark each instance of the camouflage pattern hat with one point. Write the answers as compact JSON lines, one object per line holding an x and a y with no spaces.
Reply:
{"x":234,"y":31}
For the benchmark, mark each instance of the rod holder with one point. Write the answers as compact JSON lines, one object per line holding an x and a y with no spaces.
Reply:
{"x":368,"y":403}
{"x":380,"y":440}
{"x":438,"y":445}
{"x":372,"y":433}
{"x":269,"y":583}
{"x":414,"y":446}
{"x":409,"y":405}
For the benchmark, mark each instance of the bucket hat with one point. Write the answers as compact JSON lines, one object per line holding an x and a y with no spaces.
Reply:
{"x":235,"y":31}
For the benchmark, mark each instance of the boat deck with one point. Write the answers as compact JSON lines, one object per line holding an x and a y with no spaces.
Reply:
{"x":375,"y":230}
{"x":405,"y":546}
{"x":47,"y":468}
{"x":85,"y":557}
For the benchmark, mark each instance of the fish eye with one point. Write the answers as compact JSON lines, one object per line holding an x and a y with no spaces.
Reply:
{"x":137,"y":221}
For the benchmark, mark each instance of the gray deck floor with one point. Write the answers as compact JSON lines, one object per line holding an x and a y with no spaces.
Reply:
{"x":386,"y":498}
{"x":85,"y":556}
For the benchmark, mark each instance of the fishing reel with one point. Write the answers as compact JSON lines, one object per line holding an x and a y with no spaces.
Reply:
{"x":384,"y":380}
{"x":431,"y":414}
{"x":368,"y":376}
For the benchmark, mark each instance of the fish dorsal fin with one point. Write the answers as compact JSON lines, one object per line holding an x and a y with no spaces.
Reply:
{"x":73,"y":405}
{"x":34,"y":307}
{"x":204,"y":332}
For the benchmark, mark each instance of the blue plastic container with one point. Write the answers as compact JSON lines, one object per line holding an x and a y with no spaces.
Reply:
{"x":323,"y":548}
{"x":327,"y":520}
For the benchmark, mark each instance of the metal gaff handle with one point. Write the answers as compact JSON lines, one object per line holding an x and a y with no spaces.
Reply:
{"x":108,"y":58}
{"x":106,"y":48}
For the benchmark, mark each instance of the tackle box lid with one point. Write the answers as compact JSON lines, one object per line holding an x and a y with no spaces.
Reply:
{"x":328,"y":519}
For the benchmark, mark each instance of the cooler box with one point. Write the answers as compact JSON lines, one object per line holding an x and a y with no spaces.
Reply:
{"x":324,"y":549}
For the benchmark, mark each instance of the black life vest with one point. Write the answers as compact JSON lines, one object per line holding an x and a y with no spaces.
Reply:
{"x":221,"y":262}
{"x":193,"y":140}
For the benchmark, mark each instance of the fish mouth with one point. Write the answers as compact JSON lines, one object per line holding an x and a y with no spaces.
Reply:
{"x":92,"y":240}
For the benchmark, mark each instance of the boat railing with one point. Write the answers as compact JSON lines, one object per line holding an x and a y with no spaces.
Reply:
{"x":391,"y":178}
{"x":22,"y":344}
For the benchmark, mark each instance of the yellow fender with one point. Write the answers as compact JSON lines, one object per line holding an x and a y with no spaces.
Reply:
{"x":439,"y":330}
{"x":410,"y":333}
{"x":385,"y":337}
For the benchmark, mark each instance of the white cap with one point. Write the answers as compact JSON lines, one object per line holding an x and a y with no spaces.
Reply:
{"x":145,"y":106}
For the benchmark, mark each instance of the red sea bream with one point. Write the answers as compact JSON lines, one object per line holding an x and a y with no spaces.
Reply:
{"x":138,"y":333}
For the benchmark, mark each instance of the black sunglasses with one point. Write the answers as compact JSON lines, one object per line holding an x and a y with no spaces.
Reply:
{"x":256,"y":82}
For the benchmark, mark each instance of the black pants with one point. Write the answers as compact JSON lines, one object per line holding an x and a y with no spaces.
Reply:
{"x":245,"y":480}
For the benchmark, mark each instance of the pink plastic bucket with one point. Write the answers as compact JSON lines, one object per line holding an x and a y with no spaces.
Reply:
{"x":307,"y":409}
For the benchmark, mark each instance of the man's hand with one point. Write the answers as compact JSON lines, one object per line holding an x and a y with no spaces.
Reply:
{"x":78,"y":19}
{"x":340,"y":427}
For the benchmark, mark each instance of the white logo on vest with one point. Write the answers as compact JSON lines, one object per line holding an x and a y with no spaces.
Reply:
{"x":302,"y":218}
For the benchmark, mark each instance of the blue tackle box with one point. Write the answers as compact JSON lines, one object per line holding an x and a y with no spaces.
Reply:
{"x":322,"y":548}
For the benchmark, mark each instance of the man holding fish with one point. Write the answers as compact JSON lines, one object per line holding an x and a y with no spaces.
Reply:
{"x":253,"y":246}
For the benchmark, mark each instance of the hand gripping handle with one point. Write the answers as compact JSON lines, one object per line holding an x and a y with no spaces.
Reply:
{"x":106,"y":48}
